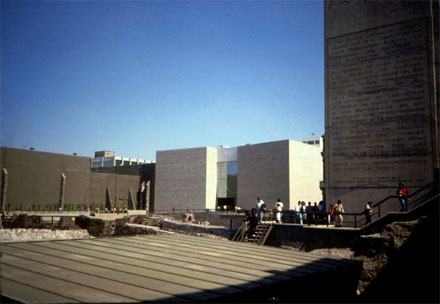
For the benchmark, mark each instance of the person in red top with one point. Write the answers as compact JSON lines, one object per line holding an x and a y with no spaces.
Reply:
{"x":403,"y":194}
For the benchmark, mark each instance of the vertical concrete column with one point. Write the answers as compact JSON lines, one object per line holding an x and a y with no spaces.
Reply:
{"x":4,"y":188}
{"x":108,"y":199}
{"x":148,"y":196}
{"x":131,"y":200}
{"x":62,"y":190}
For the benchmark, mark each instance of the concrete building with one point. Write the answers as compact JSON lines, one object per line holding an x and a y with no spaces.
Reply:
{"x":48,"y":179}
{"x":186,"y":179}
{"x":314,"y":141}
{"x":107,"y":159}
{"x":208,"y":177}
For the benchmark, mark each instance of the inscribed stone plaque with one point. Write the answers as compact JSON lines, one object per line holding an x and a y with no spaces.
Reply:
{"x":379,"y":106}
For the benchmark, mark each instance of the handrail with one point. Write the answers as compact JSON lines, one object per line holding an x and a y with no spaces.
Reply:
{"x":321,"y":216}
{"x":239,"y":234}
{"x":189,"y":210}
{"x":378,"y":204}
{"x":411,"y":195}
{"x":266,"y":235}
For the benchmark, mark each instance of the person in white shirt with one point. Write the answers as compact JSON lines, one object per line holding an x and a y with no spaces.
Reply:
{"x":279,"y":208}
{"x":298,"y":213}
{"x":259,"y":204}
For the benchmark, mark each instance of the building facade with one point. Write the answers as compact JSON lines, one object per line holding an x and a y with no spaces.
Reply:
{"x":108,"y":159}
{"x":31,"y":178}
{"x":225,"y":177}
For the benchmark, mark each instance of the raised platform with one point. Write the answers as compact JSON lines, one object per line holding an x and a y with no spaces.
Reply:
{"x":169,"y":268}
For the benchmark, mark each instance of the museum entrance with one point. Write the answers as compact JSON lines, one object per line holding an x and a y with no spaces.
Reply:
{"x":226,"y":203}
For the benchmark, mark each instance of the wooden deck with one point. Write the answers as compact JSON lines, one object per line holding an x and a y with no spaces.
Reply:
{"x":157,"y":268}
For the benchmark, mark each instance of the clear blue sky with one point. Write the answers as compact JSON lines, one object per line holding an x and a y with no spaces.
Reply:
{"x":135,"y":77}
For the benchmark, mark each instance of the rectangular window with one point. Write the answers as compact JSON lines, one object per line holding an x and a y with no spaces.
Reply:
{"x":227,"y":179}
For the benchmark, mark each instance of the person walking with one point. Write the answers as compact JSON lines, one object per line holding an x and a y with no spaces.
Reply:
{"x":367,"y":212}
{"x":403,"y":194}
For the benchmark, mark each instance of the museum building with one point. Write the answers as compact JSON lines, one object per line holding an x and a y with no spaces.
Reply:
{"x":229,"y":177}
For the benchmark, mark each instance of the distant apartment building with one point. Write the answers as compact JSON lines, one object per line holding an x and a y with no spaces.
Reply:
{"x":314,"y":141}
{"x":106,"y":159}
{"x":212,"y":177}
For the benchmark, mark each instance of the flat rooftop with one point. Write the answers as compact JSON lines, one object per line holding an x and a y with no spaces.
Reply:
{"x":156,"y":268}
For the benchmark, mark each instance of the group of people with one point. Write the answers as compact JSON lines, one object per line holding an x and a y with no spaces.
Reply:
{"x":335,"y":213}
{"x":310,"y":214}
{"x":261,"y":207}
{"x":317,"y":212}
{"x":255,"y":216}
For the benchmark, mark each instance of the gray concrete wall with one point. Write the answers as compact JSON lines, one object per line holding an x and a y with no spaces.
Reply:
{"x":181,"y":178}
{"x":35,"y":177}
{"x":381,"y":60}
{"x":263,"y":171}
{"x":146,"y":172}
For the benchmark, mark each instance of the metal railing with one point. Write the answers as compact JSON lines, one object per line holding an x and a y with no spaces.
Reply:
{"x":239,"y":235}
{"x":190,"y":210}
{"x":377,"y":206}
{"x":350,"y":219}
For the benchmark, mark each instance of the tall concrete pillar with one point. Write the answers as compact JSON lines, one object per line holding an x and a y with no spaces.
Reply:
{"x":4,"y":188}
{"x":62,"y":190}
{"x":148,"y":196}
{"x":381,"y":97}
{"x":131,"y":204}
{"x":108,"y":199}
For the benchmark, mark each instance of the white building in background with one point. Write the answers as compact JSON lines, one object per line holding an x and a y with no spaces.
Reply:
{"x":109,"y":159}
{"x":210,"y":177}
{"x":314,"y":141}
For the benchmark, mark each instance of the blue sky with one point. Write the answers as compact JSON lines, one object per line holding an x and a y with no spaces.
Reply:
{"x":135,"y":77}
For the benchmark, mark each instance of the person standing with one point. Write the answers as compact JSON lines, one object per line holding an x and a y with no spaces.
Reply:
{"x":259,"y":205}
{"x":252,"y":223}
{"x":315,"y":212}
{"x":331,"y":214}
{"x":279,"y":206}
{"x":303,"y":212}
{"x":367,"y":212}
{"x":403,"y":194}
{"x":339,"y":210}
{"x":298,"y":216}
{"x":309,"y":213}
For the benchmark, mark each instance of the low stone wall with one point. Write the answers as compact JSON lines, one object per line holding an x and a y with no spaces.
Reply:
{"x":309,"y":237}
{"x":95,"y":226}
{"x":23,"y":235}
{"x":191,"y":228}
{"x":134,"y":229}
{"x":227,"y":220}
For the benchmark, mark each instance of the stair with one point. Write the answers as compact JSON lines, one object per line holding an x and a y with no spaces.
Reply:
{"x":261,"y":234}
